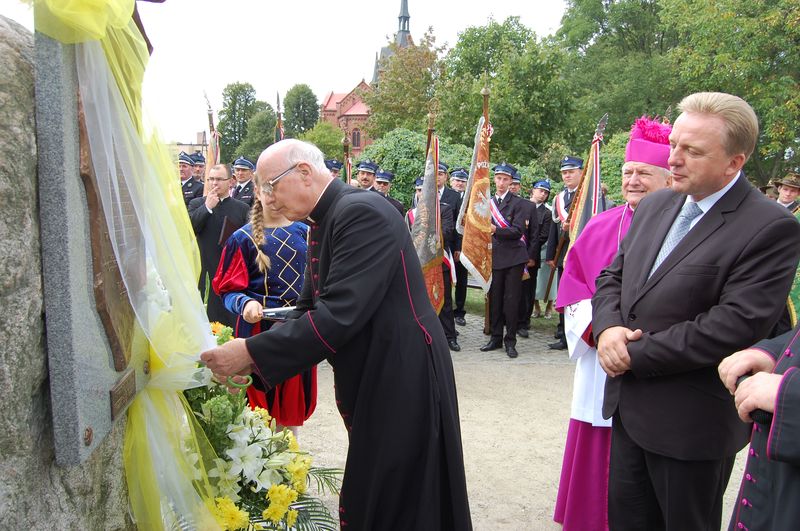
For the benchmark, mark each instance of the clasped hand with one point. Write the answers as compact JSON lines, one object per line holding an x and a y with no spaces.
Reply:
{"x":612,"y":349}
{"x":756,"y":392}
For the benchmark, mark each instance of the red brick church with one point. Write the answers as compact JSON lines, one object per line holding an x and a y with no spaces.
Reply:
{"x":346,"y":110}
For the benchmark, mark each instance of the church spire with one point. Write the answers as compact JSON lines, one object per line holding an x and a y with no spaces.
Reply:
{"x":403,"y":33}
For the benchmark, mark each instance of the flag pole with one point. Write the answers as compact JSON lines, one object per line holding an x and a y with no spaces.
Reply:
{"x":347,"y":164}
{"x":212,"y":151}
{"x":601,"y":127}
{"x":487,"y":325}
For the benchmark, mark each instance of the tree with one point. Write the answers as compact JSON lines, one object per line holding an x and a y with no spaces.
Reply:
{"x":301,"y":110}
{"x":750,"y":48}
{"x":483,"y":49}
{"x":405,"y":88}
{"x":403,"y":153}
{"x":260,"y":134}
{"x":328,"y":138}
{"x":238,"y":105}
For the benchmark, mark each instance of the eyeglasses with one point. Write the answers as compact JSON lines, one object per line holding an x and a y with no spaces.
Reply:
{"x":217,"y":179}
{"x":269,"y":186}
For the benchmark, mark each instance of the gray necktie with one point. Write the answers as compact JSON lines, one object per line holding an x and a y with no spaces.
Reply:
{"x":679,"y":229}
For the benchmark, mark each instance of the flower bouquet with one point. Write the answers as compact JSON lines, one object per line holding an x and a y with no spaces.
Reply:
{"x":262,"y":476}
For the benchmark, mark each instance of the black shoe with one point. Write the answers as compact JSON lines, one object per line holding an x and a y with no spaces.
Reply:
{"x":454,"y":346}
{"x":492,"y":345}
{"x":558,"y":345}
{"x":511,"y":350}
{"x":523,"y":333}
{"x":460,"y":321}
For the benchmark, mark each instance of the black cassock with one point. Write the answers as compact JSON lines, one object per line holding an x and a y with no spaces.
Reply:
{"x":365,"y":309}
{"x":770,"y":488}
{"x":208,"y":228}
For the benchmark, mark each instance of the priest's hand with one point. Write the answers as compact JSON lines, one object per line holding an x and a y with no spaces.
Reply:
{"x":757,"y":392}
{"x":749,"y":361}
{"x":230,"y":359}
{"x":253,"y":311}
{"x":612,"y":349}
{"x":212,"y":199}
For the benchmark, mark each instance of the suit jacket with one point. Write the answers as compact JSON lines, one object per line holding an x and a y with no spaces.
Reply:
{"x":391,"y":361}
{"x":720,"y":290}
{"x":394,"y":202}
{"x":191,"y":189}
{"x":545,"y":218}
{"x":531,"y":228}
{"x":246,"y":195}
{"x":556,"y":232}
{"x":508,"y":249}
{"x":207,"y":228}
{"x":453,"y":198}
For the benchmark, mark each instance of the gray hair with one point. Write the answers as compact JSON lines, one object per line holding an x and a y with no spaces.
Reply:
{"x":301,"y":151}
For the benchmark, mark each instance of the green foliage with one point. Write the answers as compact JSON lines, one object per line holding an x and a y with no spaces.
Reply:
{"x":328,"y":138}
{"x":260,"y":134}
{"x":612,"y":157}
{"x":750,"y":48}
{"x":405,"y":87}
{"x":403,"y":153}
{"x":301,"y":110}
{"x":483,"y":49}
{"x":239,"y":104}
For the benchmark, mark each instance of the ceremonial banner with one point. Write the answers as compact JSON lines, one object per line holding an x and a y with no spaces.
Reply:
{"x":794,"y":295}
{"x":426,"y":231}
{"x":588,"y":201}
{"x":475,"y":218}
{"x":279,"y":123}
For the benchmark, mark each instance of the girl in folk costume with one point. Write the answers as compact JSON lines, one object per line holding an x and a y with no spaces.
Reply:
{"x":262,"y":266}
{"x":582,"y":501}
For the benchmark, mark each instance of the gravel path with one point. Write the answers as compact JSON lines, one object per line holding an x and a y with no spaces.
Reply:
{"x":514,"y":416}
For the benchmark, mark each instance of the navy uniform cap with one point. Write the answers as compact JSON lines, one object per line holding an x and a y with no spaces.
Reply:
{"x":571,"y":163}
{"x":333,"y":165}
{"x":384,"y":176}
{"x":185,"y":158}
{"x":418,"y":182}
{"x":243,"y":163}
{"x":367,"y":166}
{"x":542,"y":185}
{"x":506,"y":168}
{"x":198,"y":158}
{"x":459,"y":174}
{"x":443,"y":167}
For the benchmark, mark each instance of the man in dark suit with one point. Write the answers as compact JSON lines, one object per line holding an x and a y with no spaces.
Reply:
{"x":703,"y":272}
{"x":458,"y":182}
{"x":214,"y":217}
{"x":571,"y":169}
{"x":788,"y":190}
{"x":538,"y":233}
{"x":190,"y":187}
{"x":244,"y":190}
{"x":366,"y":174}
{"x":383,"y":183}
{"x":392,"y":369}
{"x":509,"y":256}
{"x":334,"y":166}
{"x":199,"y":170}
{"x":531,"y":239}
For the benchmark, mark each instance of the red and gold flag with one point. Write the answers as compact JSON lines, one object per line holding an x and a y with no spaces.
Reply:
{"x":426,"y":231}
{"x":475,"y":218}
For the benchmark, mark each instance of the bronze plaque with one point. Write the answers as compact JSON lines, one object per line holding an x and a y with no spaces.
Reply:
{"x":123,"y":393}
{"x":111,"y":295}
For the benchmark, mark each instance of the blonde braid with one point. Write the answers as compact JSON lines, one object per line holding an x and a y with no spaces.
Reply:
{"x":256,"y":221}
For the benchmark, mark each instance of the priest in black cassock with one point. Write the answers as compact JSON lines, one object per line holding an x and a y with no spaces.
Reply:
{"x":215,"y":217}
{"x":393,"y":374}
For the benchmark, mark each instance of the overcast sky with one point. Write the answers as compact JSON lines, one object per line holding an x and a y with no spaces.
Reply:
{"x":202,"y":45}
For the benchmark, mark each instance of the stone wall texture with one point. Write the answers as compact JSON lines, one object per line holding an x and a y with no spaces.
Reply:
{"x":35,"y":493}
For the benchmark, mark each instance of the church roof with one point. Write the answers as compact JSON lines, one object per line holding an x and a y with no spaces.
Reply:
{"x":358,"y":109}
{"x":329,"y":104}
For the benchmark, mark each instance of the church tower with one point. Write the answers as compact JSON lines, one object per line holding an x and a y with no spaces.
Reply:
{"x":402,"y":39}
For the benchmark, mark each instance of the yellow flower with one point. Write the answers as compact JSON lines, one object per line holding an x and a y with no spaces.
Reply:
{"x":291,"y":518}
{"x":280,"y":497}
{"x":298,"y":468}
{"x":216,"y":327}
{"x":229,"y":516}
{"x":293,"y":446}
{"x":263,"y":413}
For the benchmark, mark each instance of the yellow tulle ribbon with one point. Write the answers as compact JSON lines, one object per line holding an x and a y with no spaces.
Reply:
{"x":166,"y":454}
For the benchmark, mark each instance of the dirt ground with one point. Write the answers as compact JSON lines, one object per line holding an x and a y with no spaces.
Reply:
{"x":514,"y":416}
